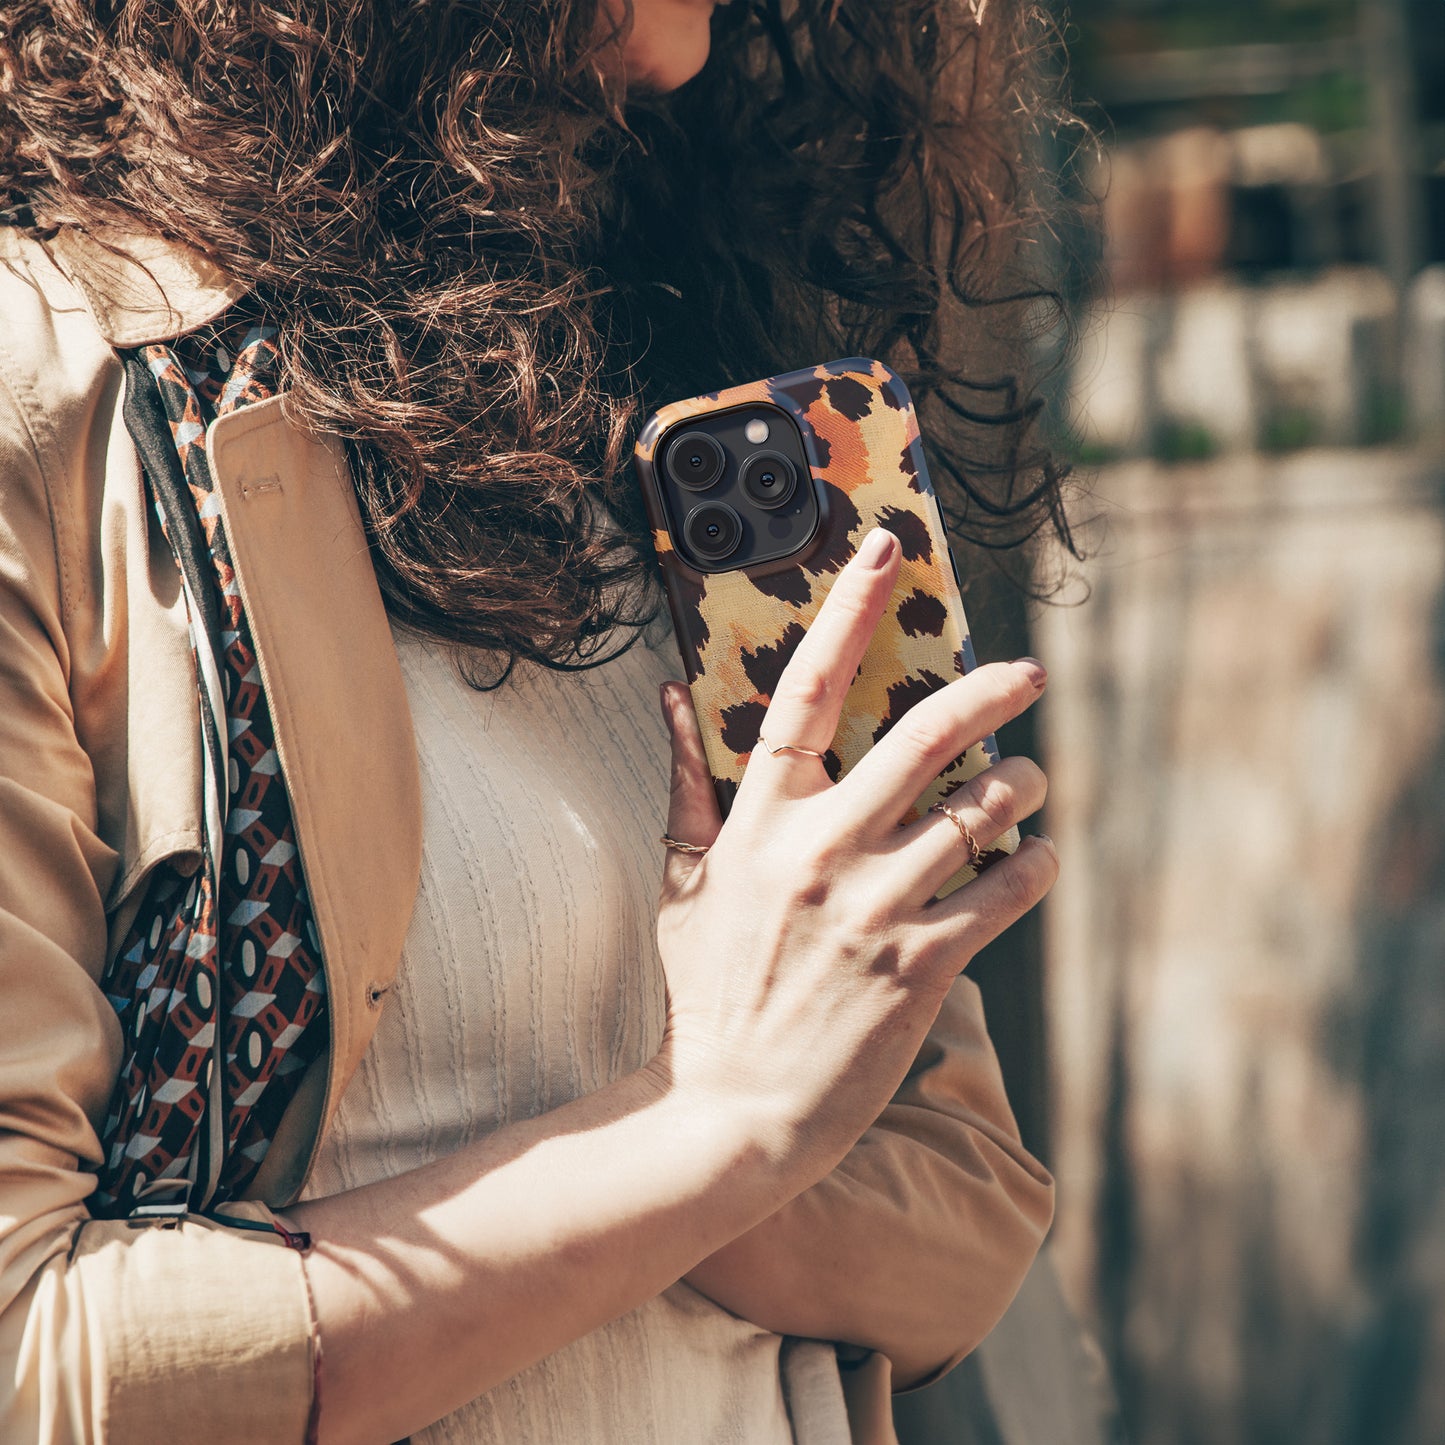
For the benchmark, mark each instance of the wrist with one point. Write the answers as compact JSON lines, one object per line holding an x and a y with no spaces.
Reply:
{"x":753,"y":1142}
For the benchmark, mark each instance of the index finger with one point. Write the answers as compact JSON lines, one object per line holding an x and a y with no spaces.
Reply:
{"x":808,"y":700}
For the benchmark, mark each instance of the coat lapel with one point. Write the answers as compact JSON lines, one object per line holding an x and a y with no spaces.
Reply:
{"x":343,"y":730}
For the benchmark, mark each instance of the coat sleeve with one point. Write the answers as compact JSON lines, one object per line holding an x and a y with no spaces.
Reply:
{"x":107,"y":1332}
{"x":917,"y":1242}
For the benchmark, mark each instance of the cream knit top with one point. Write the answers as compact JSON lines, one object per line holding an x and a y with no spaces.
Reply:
{"x":530,"y":976}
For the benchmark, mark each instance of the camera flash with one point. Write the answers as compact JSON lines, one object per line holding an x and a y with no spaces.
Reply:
{"x":756,"y":431}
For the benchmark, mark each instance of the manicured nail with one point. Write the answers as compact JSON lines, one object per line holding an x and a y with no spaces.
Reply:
{"x":877,"y":548}
{"x":1035,"y":670}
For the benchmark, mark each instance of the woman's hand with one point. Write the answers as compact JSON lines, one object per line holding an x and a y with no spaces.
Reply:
{"x":806,"y":956}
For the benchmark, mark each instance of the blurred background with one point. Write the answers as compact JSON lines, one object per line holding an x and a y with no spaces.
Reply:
{"x":1229,"y":1038}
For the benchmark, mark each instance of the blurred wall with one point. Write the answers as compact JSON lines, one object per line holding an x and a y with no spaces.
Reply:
{"x":1246,"y":951}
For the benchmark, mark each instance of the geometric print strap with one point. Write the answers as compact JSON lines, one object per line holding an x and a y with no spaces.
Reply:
{"x":218,"y":984}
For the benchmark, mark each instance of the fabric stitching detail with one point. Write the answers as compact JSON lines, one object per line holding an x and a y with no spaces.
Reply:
{"x":32,"y":414}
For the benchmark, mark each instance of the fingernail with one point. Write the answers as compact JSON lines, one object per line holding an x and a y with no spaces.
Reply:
{"x":877,"y":548}
{"x":1035,"y":670}
{"x":1047,"y":843}
{"x":664,"y":697}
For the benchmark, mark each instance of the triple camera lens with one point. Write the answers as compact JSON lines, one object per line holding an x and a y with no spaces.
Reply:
{"x":731,"y":504}
{"x":695,"y":461}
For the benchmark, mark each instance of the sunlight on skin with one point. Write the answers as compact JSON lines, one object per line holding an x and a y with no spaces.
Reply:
{"x":668,"y":43}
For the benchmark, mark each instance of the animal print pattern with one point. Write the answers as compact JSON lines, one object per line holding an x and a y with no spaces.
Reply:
{"x":737,"y":630}
{"x":218,"y":985}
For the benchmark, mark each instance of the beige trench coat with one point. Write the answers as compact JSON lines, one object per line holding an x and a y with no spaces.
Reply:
{"x":205,"y":1332}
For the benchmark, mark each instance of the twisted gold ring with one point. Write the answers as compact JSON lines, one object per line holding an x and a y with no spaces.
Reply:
{"x":668,"y":841}
{"x":975,"y":853}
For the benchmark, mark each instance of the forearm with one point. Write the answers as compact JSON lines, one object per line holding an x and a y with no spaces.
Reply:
{"x":459,"y":1274}
{"x":896,"y":1250}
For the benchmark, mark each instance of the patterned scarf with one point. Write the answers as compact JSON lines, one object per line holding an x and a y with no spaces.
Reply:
{"x":218,"y":984}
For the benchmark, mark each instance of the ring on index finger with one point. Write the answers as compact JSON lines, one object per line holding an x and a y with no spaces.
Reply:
{"x":788,"y":748}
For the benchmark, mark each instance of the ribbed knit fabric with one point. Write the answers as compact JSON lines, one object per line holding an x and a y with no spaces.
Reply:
{"x":530,"y":976}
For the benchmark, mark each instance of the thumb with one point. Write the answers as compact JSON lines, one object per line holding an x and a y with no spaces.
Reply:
{"x":692,"y":815}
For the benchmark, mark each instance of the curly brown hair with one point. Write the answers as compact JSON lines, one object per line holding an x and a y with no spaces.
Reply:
{"x":488,"y":264}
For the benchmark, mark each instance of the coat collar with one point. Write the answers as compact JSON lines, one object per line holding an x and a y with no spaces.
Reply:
{"x":142,"y":287}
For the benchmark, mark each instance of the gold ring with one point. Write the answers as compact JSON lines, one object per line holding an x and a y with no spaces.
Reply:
{"x":668,"y":841}
{"x":975,"y":853}
{"x":787,"y":748}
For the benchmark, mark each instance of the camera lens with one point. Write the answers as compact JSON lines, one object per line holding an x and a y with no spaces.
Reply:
{"x":713,"y":531}
{"x":769,"y":479}
{"x":695,"y":460}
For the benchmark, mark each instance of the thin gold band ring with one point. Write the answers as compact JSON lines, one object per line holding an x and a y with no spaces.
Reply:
{"x":788,"y":748}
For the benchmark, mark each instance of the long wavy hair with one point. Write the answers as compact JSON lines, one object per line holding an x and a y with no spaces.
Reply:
{"x":488,"y":263}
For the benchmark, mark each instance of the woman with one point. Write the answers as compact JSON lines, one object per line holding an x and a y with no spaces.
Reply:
{"x":387,"y":285}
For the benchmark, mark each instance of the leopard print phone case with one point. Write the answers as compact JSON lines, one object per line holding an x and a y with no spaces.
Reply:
{"x":737,"y":629}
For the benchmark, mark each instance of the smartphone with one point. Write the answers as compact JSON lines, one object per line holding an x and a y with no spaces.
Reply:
{"x":757,"y":496}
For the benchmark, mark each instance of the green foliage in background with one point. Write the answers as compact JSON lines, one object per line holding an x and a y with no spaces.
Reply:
{"x":1105,"y":35}
{"x":1142,"y":26}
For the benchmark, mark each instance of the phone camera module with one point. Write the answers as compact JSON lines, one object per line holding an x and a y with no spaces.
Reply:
{"x":769,"y":479}
{"x":695,"y":461}
{"x":713,"y":531}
